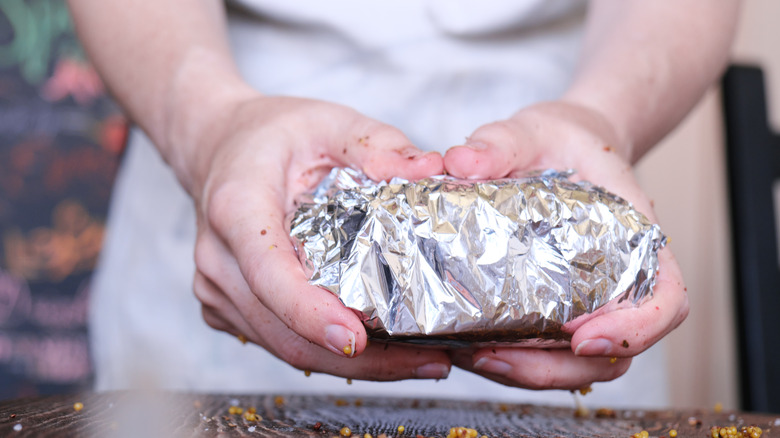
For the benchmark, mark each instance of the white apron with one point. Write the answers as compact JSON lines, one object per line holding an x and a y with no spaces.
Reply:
{"x":436,"y":69}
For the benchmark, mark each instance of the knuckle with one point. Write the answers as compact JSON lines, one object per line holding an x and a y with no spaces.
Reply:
{"x":205,"y":292}
{"x":212,"y":320}
{"x":221,"y":200}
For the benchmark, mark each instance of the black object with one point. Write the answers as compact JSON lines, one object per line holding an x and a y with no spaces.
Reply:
{"x":753,"y":152}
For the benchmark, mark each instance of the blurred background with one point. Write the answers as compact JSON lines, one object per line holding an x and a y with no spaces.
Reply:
{"x":60,"y":142}
{"x":60,"y":139}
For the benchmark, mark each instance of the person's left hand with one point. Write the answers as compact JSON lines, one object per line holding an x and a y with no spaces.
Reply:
{"x":561,"y":135}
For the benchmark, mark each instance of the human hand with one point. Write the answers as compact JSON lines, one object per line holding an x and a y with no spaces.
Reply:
{"x":249,"y":280}
{"x":563,"y":135}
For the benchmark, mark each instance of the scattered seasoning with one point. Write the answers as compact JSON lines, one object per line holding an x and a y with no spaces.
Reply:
{"x":278,"y":400}
{"x":587,"y":389}
{"x":401,"y":429}
{"x":272,"y":247}
{"x":608,"y":149}
{"x":502,"y":407}
{"x":242,"y":338}
{"x":12,"y":416}
{"x":249,"y":416}
{"x":251,"y":429}
{"x":17,"y":427}
{"x":232,"y":424}
{"x":263,"y":232}
{"x":673,"y":433}
{"x":777,"y":422}
{"x":235,"y":410}
{"x":307,"y":373}
{"x":462,"y":432}
{"x":345,"y":431}
{"x":605,"y":413}
{"x":347,"y":350}
{"x":317,"y":426}
{"x":359,"y":402}
{"x":341,"y":402}
{"x":612,"y":359}
{"x":367,"y":435}
{"x":718,"y":408}
{"x":642,"y":434}
{"x":252,"y":410}
{"x":349,"y":381}
{"x":78,"y":406}
{"x":733,"y":432}
{"x":625,"y":343}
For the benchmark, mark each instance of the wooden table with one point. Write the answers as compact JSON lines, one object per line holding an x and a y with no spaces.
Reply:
{"x":124,"y":414}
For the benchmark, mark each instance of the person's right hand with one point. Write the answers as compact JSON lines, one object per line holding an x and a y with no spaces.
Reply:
{"x":248,"y":171}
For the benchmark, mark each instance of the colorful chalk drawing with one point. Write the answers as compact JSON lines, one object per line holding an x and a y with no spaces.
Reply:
{"x":60,"y":139}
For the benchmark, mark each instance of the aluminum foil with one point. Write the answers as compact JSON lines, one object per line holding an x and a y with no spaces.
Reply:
{"x":454,"y":262}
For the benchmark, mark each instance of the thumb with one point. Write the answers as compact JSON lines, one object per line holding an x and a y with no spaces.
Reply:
{"x":492,"y":151}
{"x":382,"y":152}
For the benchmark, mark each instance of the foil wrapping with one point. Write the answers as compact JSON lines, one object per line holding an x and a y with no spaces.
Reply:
{"x":454,"y":262}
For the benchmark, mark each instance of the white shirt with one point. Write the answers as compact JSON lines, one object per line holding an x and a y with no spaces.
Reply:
{"x":436,"y":69}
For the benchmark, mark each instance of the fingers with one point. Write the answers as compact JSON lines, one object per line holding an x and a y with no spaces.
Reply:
{"x":492,"y":151}
{"x":255,"y":236}
{"x":383,"y":152}
{"x":628,"y":332}
{"x":228,"y":304}
{"x":534,"y":368}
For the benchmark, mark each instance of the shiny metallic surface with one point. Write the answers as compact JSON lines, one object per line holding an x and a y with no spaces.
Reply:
{"x":453,"y":262}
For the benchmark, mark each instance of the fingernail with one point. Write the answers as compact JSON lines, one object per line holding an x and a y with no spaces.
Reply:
{"x":494,"y":366}
{"x":594,"y":347}
{"x":340,"y":340}
{"x":476,"y":145}
{"x":432,"y":371}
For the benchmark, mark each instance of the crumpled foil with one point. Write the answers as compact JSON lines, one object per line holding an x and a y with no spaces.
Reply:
{"x":454,"y":262}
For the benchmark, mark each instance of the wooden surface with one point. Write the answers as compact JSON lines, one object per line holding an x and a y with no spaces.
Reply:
{"x":146,"y":415}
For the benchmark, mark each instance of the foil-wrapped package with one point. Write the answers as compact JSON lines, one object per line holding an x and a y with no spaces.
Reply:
{"x":454,"y":262}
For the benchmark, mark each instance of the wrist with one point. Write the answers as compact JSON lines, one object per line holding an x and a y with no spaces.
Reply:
{"x":198,"y":107}
{"x":606,"y":122}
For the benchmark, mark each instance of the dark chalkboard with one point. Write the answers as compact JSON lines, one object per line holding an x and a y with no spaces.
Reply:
{"x":60,"y":138}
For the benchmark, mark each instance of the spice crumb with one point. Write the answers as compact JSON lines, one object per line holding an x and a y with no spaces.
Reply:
{"x":347,"y":350}
{"x":718,"y":408}
{"x":462,"y":432}
{"x":605,"y":413}
{"x":345,"y":431}
{"x":251,"y":429}
{"x":78,"y":406}
{"x":12,"y":416}
{"x":625,"y":343}
{"x":242,"y":338}
{"x":401,"y":429}
{"x":612,"y":359}
{"x":317,"y":426}
{"x":349,"y":381}
{"x":278,"y":400}
{"x":17,"y":427}
{"x":307,"y":373}
{"x":673,"y":433}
